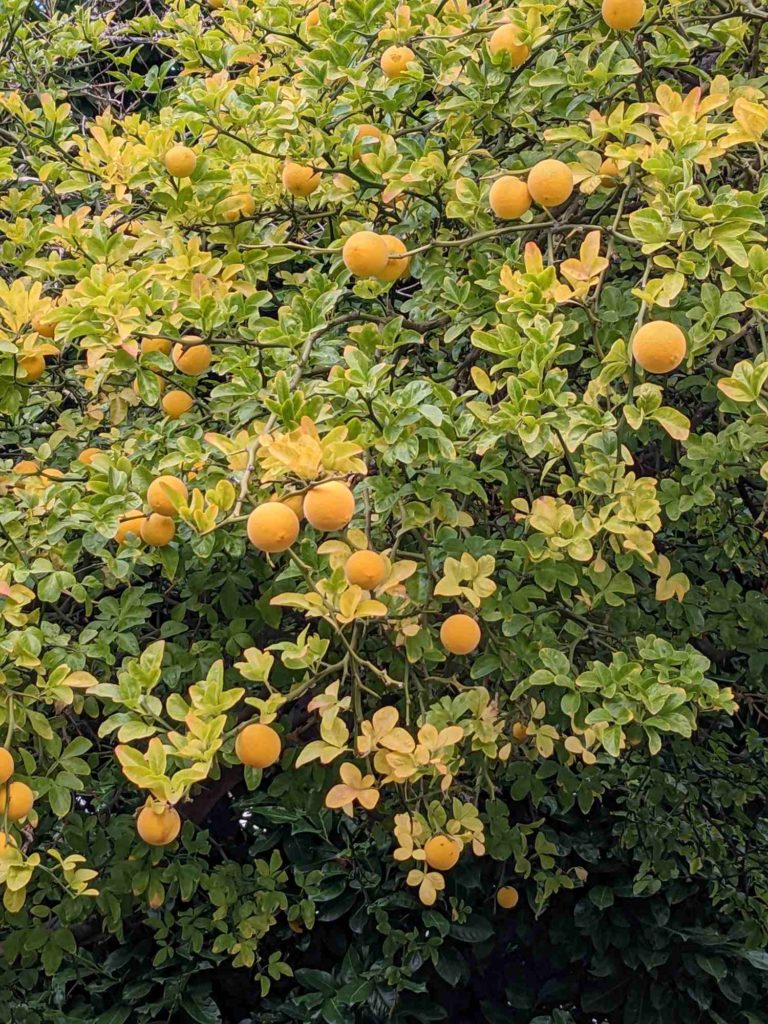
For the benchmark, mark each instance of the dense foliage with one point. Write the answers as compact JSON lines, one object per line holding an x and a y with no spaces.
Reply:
{"x":550,"y":810}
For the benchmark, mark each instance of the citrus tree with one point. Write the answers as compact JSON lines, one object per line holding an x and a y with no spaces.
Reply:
{"x":383,"y":461}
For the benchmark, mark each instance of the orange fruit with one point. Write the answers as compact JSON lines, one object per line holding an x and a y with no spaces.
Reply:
{"x":659,"y":346}
{"x":623,"y":14}
{"x":366,"y":569}
{"x":460,"y":634}
{"x":161,"y":492}
{"x":33,"y":367}
{"x":6,"y":841}
{"x":509,"y":197}
{"x":507,"y":897}
{"x":299,"y":180}
{"x":19,"y":799}
{"x":192,"y":359}
{"x":368,"y":131}
{"x":396,"y":59}
{"x":329,"y":506}
{"x":158,"y":378}
{"x":366,"y":254}
{"x":272,"y":527}
{"x":295,"y":503}
{"x":26,"y":467}
{"x":550,"y":183}
{"x":130,"y":524}
{"x":519,"y":732}
{"x":609,"y":170}
{"x":6,"y":764}
{"x":180,"y":161}
{"x":156,"y":345}
{"x":158,"y":530}
{"x":442,"y":852}
{"x":176,"y":403}
{"x":158,"y":824}
{"x":43,"y":328}
{"x":257,"y":745}
{"x":241,"y":204}
{"x":395,"y":268}
{"x":506,"y":39}
{"x":87,"y":455}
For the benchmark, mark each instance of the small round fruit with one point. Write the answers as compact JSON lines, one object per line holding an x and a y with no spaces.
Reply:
{"x":257,"y":745}
{"x":157,"y":530}
{"x":550,"y":182}
{"x":87,"y":455}
{"x":395,"y":268}
{"x":509,"y":197}
{"x":312,"y":20}
{"x":396,"y":59}
{"x":368,"y":131}
{"x":43,"y":328}
{"x":33,"y":367}
{"x":506,"y":39}
{"x":180,"y":161}
{"x":295,"y":503}
{"x":507,"y":897}
{"x":366,"y":254}
{"x":192,"y":359}
{"x":241,"y":204}
{"x":176,"y":403}
{"x":609,"y":171}
{"x":156,"y":345}
{"x":460,"y":634}
{"x":623,"y":14}
{"x":158,"y":825}
{"x":659,"y":346}
{"x":160,"y":494}
{"x":26,"y":467}
{"x":272,"y":527}
{"x":329,"y":506}
{"x":366,"y":569}
{"x":19,"y":799}
{"x":158,"y":378}
{"x":442,"y":852}
{"x":129,"y":525}
{"x":299,"y":180}
{"x":6,"y":842}
{"x":6,"y":764}
{"x":519,"y":732}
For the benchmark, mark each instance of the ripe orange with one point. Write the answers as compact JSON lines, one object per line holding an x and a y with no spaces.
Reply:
{"x":192,"y":359}
{"x":609,"y":170}
{"x":180,"y":161}
{"x":509,"y":197}
{"x":395,"y":268}
{"x":442,"y":852}
{"x":241,"y":204}
{"x":130,"y":524}
{"x":158,"y":378}
{"x":6,"y":841}
{"x":19,"y":798}
{"x":257,"y":745}
{"x":459,"y":634}
{"x":26,"y":467}
{"x":329,"y":506}
{"x":6,"y":765}
{"x":43,"y":328}
{"x":272,"y":527}
{"x":659,"y":346}
{"x":157,"y":530}
{"x":176,"y":403}
{"x":33,"y":367}
{"x":295,"y":503}
{"x":366,"y":569}
{"x":368,"y":131}
{"x":86,"y":456}
{"x":507,"y":897}
{"x":158,"y":824}
{"x":550,"y":182}
{"x":299,"y":180}
{"x":519,"y":732}
{"x":623,"y":14}
{"x":161,"y":492}
{"x":506,"y":39}
{"x":366,"y":254}
{"x":156,"y":345}
{"x":396,"y":59}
